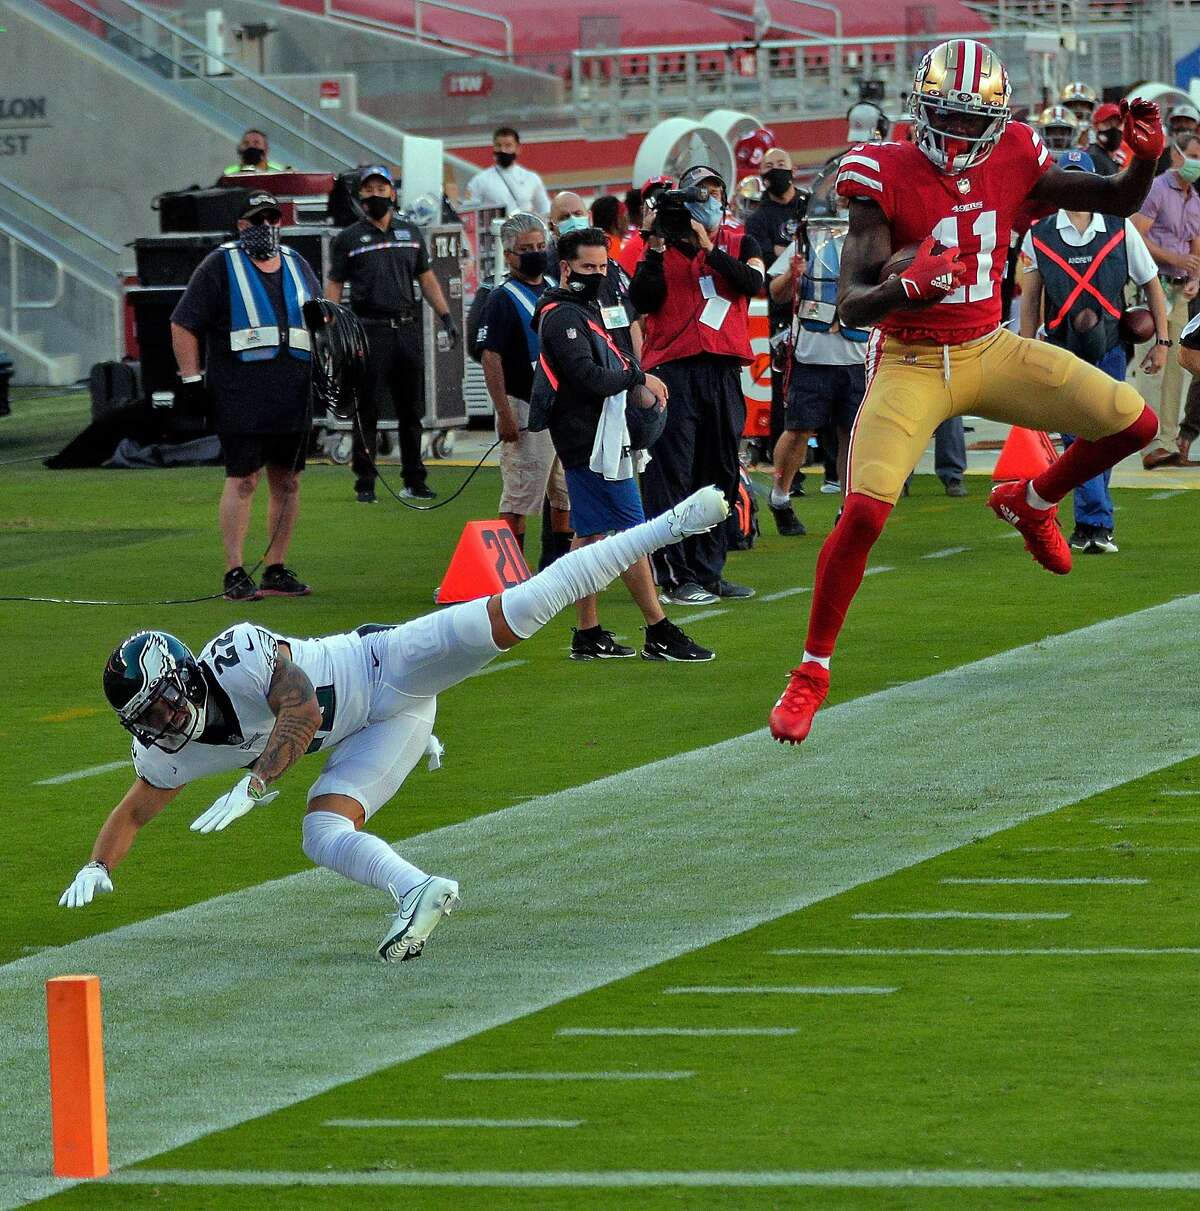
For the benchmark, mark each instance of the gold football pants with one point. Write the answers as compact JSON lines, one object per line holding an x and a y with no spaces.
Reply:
{"x":911,"y":389}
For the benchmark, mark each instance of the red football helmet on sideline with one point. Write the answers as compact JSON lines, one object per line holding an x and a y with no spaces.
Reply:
{"x":749,"y":150}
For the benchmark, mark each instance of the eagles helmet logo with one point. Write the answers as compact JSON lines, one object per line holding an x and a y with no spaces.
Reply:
{"x":158,"y":690}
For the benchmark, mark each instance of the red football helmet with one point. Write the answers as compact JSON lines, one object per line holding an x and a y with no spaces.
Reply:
{"x":748,"y":151}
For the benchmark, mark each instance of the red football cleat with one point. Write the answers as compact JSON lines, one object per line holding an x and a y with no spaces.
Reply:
{"x":1039,"y":527}
{"x":792,"y":715}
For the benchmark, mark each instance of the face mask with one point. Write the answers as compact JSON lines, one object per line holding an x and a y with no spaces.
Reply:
{"x":376,"y":206}
{"x":260,"y":241}
{"x":584,"y":286}
{"x":573,"y":222}
{"x":1189,"y":170}
{"x":777,"y":180}
{"x":531,"y":264}
{"x":1110,"y":140}
{"x":506,"y":159}
{"x":251,"y":155}
{"x":706,"y":213}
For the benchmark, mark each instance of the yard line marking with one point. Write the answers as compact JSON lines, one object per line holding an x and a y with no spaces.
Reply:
{"x":878,"y":571}
{"x":498,"y":667}
{"x":785,"y":593}
{"x":800,"y":990}
{"x":1113,"y":847}
{"x":519,"y":1123}
{"x":1123,"y":821}
{"x":949,"y":952}
{"x":699,"y":616}
{"x":855,"y":1179}
{"x":682,"y":1032}
{"x":298,"y":948}
{"x":1023,"y":881}
{"x":953,"y":914}
{"x":1166,"y":495}
{"x":1179,"y":791}
{"x":946,"y":552}
{"x":90,"y":772}
{"x":678,"y":1075}
{"x":1009,"y":534}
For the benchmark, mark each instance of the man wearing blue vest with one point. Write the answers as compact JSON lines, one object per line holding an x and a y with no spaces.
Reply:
{"x":528,"y":466}
{"x":1074,"y":287}
{"x":244,"y":300}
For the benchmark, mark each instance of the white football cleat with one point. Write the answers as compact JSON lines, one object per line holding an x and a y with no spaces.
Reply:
{"x":698,"y":513}
{"x":417,"y":916}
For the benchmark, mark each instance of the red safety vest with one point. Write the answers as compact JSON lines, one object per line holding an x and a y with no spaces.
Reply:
{"x":674,"y":331}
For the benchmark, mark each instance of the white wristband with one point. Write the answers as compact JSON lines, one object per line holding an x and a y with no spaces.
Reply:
{"x":191,"y":378}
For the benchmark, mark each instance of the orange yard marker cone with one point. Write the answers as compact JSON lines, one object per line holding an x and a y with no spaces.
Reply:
{"x":487,"y":560}
{"x":1026,"y":453}
{"x":78,"y":1116}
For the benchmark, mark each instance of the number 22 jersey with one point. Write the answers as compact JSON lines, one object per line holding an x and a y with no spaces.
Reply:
{"x":973,"y":211}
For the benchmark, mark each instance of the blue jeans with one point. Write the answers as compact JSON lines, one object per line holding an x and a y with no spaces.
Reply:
{"x":1093,"y":501}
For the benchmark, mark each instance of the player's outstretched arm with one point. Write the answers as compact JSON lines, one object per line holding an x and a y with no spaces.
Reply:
{"x":141,"y":803}
{"x":862,"y":298}
{"x":1120,"y":195}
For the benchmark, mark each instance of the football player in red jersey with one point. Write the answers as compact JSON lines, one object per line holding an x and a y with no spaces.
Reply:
{"x":938,"y":350}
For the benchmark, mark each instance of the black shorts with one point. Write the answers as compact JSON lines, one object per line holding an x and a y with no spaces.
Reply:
{"x":245,"y":453}
{"x":819,"y":395}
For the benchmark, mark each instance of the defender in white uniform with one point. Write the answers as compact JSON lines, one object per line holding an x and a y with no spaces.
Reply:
{"x":259,"y":701}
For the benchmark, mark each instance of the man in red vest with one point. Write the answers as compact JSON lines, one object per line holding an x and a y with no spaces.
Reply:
{"x":693,"y":287}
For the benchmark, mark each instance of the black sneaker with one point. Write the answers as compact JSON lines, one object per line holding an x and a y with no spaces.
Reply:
{"x":689,"y":594}
{"x":239,"y":586}
{"x":797,"y":488}
{"x":786,"y":521}
{"x":1080,"y":537}
{"x":597,"y":644}
{"x":1101,"y":542}
{"x":665,"y":641}
{"x":278,"y":581}
{"x":366,"y":496}
{"x":728,"y":591}
{"x":420,"y":492}
{"x":955,"y":487}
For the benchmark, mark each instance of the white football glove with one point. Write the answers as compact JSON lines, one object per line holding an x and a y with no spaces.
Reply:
{"x":232,"y":804}
{"x":91,"y":879}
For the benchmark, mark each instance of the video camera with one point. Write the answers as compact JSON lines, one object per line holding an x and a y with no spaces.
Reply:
{"x":672,"y":219}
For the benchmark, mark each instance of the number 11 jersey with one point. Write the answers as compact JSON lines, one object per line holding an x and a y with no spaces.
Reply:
{"x":973,"y":211}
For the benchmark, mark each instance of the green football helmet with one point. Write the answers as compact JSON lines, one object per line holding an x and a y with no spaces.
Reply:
{"x":157,"y":688}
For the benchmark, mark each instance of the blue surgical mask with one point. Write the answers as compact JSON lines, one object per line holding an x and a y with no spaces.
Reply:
{"x":573,"y":222}
{"x":706,"y":213}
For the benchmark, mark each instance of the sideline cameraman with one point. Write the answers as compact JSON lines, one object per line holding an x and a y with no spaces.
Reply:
{"x":694,"y":298}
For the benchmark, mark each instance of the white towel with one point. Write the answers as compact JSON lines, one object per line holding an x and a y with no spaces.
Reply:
{"x":434,"y":750}
{"x":611,"y":456}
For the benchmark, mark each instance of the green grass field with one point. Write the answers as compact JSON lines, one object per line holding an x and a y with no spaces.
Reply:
{"x":682,"y":975}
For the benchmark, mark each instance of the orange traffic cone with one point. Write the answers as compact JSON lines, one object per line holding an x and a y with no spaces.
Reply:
{"x":1026,"y":453}
{"x":487,"y":560}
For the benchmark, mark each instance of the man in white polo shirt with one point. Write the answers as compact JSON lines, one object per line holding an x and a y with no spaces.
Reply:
{"x":506,"y":183}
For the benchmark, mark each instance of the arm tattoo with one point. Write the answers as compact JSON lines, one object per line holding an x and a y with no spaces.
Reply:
{"x":297,"y":717}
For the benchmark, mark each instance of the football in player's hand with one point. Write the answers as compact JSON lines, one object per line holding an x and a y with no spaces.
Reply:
{"x":1136,"y":325}
{"x":902,"y":258}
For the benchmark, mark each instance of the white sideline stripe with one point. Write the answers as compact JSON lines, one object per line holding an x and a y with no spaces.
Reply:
{"x":90,"y":772}
{"x":1009,"y":534}
{"x":786,"y":593}
{"x":1165,"y":495}
{"x":699,"y":616}
{"x":954,"y":914}
{"x":945,"y":552}
{"x":1179,"y":792}
{"x":1113,"y":847}
{"x":1125,"y":821}
{"x":984,"y":952}
{"x":1022,"y":881}
{"x":799,"y":990}
{"x":680,"y":1032}
{"x":537,"y":876}
{"x":877,"y":571}
{"x":676,"y":1075}
{"x":893,"y":1179}
{"x":499,"y":667}
{"x":405,"y":1123}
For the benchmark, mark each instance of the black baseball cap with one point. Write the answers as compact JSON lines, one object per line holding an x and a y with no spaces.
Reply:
{"x":259,"y":202}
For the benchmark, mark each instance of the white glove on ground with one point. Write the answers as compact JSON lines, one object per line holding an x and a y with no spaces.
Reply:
{"x":232,"y":804}
{"x":91,"y":879}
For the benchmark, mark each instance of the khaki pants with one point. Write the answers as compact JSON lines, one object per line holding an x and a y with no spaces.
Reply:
{"x":1168,"y":392}
{"x":911,"y":389}
{"x":529,"y":469}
